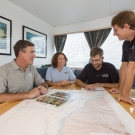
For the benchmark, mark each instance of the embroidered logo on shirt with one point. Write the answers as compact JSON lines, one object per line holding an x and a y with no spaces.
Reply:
{"x":29,"y":75}
{"x":66,"y":72}
{"x":105,"y":75}
{"x":133,"y":48}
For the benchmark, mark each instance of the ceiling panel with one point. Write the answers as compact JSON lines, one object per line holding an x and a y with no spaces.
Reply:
{"x":92,"y":9}
{"x":120,"y":5}
{"x":64,"y":12}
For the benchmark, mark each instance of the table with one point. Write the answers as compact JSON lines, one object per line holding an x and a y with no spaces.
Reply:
{"x":126,"y":106}
{"x":129,"y":108}
{"x":92,"y":112}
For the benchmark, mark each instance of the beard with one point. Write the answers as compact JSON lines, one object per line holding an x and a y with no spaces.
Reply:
{"x":97,"y":66}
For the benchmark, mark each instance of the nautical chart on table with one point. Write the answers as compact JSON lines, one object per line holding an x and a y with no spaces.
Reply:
{"x":92,"y":113}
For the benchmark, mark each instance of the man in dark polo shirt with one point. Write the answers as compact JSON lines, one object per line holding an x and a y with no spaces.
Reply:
{"x":124,"y":28}
{"x":97,"y":72}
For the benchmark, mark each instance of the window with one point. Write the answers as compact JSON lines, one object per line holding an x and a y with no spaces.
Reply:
{"x":77,"y":50}
{"x":113,"y":50}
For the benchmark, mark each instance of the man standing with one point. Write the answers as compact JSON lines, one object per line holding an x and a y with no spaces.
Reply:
{"x":124,"y":28}
{"x":98,"y":73}
{"x":18,"y":77}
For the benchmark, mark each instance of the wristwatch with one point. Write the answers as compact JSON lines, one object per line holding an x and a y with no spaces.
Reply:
{"x":46,"y":86}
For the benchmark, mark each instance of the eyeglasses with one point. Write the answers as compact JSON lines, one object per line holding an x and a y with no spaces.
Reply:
{"x":97,"y":60}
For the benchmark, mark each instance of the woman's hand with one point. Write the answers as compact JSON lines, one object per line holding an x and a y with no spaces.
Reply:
{"x":65,"y":83}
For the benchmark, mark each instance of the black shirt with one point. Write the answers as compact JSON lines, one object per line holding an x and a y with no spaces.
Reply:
{"x":128,"y":51}
{"x":107,"y":74}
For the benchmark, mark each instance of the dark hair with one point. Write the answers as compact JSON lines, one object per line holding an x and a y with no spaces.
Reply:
{"x":96,"y":51}
{"x":21,"y":45}
{"x":55,"y":59}
{"x":123,"y":17}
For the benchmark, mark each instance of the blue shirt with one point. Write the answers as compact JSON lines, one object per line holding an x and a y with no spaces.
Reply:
{"x":54,"y":75}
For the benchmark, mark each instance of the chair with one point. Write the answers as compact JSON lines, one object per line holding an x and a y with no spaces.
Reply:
{"x":77,"y":72}
{"x":42,"y":72}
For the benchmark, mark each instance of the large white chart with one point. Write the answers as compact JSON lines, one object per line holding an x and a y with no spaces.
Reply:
{"x":93,"y":113}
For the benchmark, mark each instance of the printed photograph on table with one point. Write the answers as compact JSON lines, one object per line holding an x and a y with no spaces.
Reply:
{"x":56,"y":99}
{"x":61,"y":95}
{"x":5,"y":36}
{"x":38,"y":39}
{"x":53,"y":101}
{"x":65,"y":95}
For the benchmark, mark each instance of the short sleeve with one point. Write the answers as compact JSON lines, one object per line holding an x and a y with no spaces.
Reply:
{"x":71,"y":74}
{"x":48,"y":74}
{"x":3,"y":81}
{"x":37,"y":78}
{"x":114,"y":74}
{"x":83,"y":76}
{"x":132,"y":56}
{"x":125,"y":57}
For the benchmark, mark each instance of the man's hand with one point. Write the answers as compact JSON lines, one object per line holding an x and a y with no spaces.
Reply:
{"x":126,"y":99}
{"x":115,"y":91}
{"x":34,"y":93}
{"x":90,"y":87}
{"x":42,"y":89}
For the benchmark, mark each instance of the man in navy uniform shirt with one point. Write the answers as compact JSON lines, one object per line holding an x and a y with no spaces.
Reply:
{"x":124,"y":28}
{"x":97,"y":72}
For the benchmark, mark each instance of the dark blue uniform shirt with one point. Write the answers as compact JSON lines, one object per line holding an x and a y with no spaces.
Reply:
{"x":107,"y":74}
{"x":128,"y":51}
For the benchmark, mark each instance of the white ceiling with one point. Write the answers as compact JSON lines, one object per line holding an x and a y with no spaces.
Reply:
{"x":65,"y":12}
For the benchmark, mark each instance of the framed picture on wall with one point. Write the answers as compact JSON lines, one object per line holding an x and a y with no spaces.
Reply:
{"x":5,"y":36}
{"x":38,"y":39}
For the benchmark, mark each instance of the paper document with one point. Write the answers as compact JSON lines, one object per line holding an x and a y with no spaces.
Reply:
{"x":99,"y":89}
